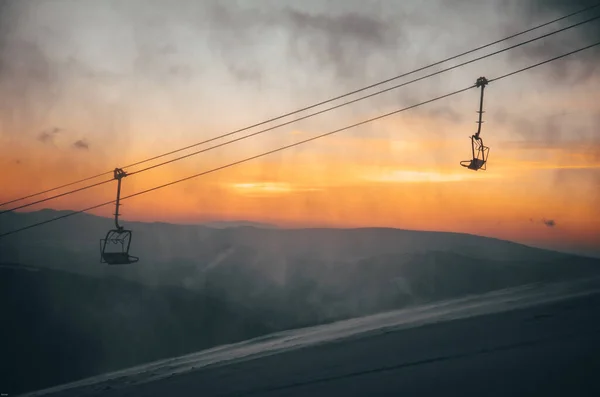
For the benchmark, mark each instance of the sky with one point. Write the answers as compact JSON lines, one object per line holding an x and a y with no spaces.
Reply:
{"x":87,"y":86}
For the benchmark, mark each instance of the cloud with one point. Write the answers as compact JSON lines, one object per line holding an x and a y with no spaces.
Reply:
{"x":581,"y":151}
{"x":156,"y":52}
{"x":447,"y":114}
{"x":245,"y":73}
{"x":261,"y":189}
{"x":47,"y":136}
{"x":342,"y":41}
{"x":27,"y":84}
{"x":553,"y":132}
{"x":556,"y":8}
{"x":575,"y":69}
{"x":81,"y":145}
{"x":409,"y":176}
{"x":545,"y":222}
{"x":39,"y":82}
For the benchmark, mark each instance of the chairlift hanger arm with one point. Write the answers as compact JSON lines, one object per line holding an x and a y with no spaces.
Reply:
{"x":119,"y":236}
{"x":481,"y":82}
{"x":479,"y":151}
{"x":118,"y":175}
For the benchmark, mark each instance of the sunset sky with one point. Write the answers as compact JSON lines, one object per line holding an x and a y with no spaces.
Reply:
{"x":86,"y":86}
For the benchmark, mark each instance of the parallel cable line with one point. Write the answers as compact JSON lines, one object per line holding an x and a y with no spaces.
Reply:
{"x":363,"y":97}
{"x":304,"y":117}
{"x":300,"y":142}
{"x":589,"y":8}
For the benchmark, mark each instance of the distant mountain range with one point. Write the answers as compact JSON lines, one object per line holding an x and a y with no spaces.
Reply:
{"x":226,"y":224}
{"x":247,"y":262}
{"x":261,"y":277}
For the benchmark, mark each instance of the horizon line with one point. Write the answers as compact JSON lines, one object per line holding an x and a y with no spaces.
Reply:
{"x":273,"y":226}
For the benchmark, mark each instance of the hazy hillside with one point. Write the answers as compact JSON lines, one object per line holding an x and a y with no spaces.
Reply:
{"x":197,"y":286}
{"x":328,"y":272}
{"x":59,"y":326}
{"x":156,"y":243}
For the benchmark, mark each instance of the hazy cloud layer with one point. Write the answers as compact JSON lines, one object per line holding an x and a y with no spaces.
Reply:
{"x":113,"y":67}
{"x":574,"y":69}
{"x":342,"y":41}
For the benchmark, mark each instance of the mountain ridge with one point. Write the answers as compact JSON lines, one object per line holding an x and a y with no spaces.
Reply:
{"x":48,"y":213}
{"x":194,"y":282}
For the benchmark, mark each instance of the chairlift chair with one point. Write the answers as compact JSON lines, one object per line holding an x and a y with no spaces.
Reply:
{"x":114,"y":248}
{"x":479,"y":151}
{"x":480,"y":155}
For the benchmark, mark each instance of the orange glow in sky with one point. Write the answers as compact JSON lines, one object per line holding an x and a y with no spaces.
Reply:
{"x":414,"y":184}
{"x":542,"y":185}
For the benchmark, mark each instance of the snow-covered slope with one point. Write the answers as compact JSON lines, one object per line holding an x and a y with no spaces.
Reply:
{"x":509,"y":330}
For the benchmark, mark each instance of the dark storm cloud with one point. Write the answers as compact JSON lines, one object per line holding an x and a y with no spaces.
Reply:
{"x":542,"y":10}
{"x":559,"y":7}
{"x":587,"y":62}
{"x":342,"y":41}
{"x":81,"y":145}
{"x":360,"y":27}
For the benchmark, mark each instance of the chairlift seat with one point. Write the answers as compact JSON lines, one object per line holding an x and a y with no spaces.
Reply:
{"x":114,"y":248}
{"x":480,"y":155}
{"x":118,"y":258}
{"x":474,"y":164}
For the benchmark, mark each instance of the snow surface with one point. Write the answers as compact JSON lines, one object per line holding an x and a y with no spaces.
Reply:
{"x":312,"y":357}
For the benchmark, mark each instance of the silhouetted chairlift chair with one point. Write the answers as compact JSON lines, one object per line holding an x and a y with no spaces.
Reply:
{"x":479,"y":151}
{"x":480,"y":155}
{"x":114,"y":248}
